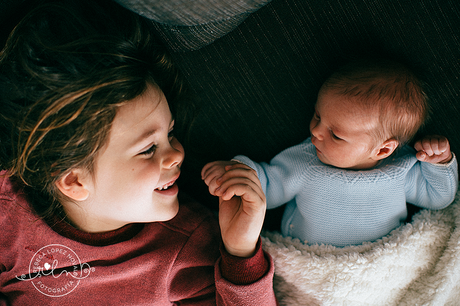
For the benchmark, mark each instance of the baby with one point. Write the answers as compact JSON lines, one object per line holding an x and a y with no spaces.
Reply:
{"x":350,"y":181}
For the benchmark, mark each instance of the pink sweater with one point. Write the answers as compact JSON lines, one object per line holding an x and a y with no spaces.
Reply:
{"x":162,"y":263}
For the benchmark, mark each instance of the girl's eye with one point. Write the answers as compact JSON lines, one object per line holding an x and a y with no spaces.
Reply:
{"x":171,"y":134}
{"x":150,"y":151}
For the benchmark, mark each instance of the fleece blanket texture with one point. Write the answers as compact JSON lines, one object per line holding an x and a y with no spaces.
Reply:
{"x":416,"y":264}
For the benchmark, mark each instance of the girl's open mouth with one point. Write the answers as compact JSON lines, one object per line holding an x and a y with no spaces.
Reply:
{"x":167,"y":186}
{"x":170,"y":188}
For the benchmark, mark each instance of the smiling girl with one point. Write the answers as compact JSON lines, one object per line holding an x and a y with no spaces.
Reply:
{"x":90,"y":166}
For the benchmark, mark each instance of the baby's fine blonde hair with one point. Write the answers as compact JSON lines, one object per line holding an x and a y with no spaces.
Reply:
{"x":387,"y":87}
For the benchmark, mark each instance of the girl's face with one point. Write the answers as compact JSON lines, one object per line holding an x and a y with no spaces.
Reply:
{"x":136,"y":171}
{"x":340,"y":132}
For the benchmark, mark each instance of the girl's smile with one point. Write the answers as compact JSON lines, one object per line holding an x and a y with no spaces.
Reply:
{"x":169,"y":189}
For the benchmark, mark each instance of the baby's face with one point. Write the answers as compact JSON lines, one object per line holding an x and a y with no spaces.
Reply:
{"x":339,"y":132}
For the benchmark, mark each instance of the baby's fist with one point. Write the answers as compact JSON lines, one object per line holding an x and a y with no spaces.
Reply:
{"x":433,"y":149}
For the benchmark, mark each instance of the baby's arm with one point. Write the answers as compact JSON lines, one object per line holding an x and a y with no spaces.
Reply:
{"x":433,"y":149}
{"x":242,"y":205}
{"x":433,"y":182}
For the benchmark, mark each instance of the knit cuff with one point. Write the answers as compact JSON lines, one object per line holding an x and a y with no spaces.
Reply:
{"x":243,"y":271}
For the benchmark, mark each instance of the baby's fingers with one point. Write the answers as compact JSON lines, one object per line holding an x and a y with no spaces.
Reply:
{"x":433,"y":145}
{"x":443,"y":145}
{"x":433,"y":149}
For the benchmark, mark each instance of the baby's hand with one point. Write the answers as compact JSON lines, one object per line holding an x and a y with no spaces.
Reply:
{"x":433,"y":149}
{"x":212,"y":172}
{"x":242,"y":205}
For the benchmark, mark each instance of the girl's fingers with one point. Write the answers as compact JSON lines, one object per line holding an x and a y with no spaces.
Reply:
{"x":227,"y":179}
{"x":240,"y":170}
{"x":215,"y":167}
{"x":242,"y":187}
{"x":208,"y":168}
{"x":213,"y":171}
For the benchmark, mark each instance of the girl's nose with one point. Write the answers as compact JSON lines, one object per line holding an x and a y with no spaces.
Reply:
{"x":174,"y":155}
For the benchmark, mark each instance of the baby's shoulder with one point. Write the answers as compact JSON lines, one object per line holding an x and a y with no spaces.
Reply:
{"x":403,"y":158}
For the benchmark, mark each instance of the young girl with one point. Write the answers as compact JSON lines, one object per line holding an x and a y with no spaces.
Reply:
{"x":89,"y":205}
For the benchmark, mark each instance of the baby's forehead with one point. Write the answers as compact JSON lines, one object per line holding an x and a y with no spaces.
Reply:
{"x":354,"y":104}
{"x":347,"y":113}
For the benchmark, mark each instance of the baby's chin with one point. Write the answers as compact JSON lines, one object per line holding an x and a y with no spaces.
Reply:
{"x":325,"y":161}
{"x":322,"y":158}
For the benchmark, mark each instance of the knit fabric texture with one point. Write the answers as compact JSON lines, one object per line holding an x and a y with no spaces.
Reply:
{"x":328,"y":205}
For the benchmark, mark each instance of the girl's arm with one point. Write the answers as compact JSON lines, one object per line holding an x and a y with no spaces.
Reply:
{"x":242,"y":208}
{"x":202,"y":277}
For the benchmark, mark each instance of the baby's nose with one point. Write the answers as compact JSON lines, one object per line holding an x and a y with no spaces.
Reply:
{"x":316,"y":132}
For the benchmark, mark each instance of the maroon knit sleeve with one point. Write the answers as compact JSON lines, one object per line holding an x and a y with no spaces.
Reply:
{"x":243,"y":271}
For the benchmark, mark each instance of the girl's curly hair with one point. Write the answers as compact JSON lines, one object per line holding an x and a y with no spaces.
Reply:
{"x":65,"y":70}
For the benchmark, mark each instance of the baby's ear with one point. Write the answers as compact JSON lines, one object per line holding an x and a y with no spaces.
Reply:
{"x":385,"y":149}
{"x":73,"y":185}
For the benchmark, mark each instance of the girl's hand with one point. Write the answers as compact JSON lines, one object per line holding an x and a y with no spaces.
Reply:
{"x":213,"y":171}
{"x":242,"y":208}
{"x":433,"y":149}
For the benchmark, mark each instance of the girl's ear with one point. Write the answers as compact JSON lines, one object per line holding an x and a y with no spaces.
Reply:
{"x":385,"y":149}
{"x":73,"y":185}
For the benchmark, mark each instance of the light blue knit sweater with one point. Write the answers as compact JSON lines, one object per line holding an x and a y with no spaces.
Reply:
{"x":348,"y":207}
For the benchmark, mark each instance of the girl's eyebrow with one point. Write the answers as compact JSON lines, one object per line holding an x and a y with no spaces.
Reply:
{"x":141,"y":140}
{"x":145,"y":135}
{"x":149,"y":133}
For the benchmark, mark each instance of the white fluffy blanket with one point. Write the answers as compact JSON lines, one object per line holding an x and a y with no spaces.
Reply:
{"x":416,"y":264}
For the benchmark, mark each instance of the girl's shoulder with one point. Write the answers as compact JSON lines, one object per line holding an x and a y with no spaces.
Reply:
{"x":5,"y":183}
{"x":10,"y":191}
